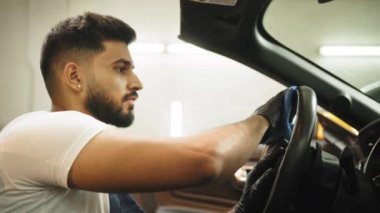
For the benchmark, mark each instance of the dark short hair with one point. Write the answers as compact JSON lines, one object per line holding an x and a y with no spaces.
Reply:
{"x":79,"y":37}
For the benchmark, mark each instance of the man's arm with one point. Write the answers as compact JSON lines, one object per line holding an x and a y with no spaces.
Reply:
{"x":115,"y":161}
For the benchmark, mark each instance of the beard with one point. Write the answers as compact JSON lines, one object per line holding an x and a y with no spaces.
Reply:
{"x":100,"y":104}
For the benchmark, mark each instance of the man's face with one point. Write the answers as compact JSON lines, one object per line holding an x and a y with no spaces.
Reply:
{"x":112,"y":86}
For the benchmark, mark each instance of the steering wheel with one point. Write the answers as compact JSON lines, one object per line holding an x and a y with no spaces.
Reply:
{"x":294,"y":160}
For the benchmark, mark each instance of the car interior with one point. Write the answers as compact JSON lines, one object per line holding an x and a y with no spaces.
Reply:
{"x":332,"y":160}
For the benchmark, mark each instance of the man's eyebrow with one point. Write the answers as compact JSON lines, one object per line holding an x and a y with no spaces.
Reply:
{"x":124,"y":61}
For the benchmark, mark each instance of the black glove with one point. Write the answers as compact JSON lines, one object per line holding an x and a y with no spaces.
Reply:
{"x":279,"y":111}
{"x":258,"y":185}
{"x":271,"y":110}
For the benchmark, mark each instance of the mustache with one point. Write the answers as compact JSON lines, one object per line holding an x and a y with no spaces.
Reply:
{"x":128,"y":96}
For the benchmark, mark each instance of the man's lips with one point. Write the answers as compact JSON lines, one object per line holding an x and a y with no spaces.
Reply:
{"x":131,"y":98}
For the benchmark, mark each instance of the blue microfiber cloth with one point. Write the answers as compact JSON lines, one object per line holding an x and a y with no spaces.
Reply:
{"x":284,"y":128}
{"x":289,"y":110}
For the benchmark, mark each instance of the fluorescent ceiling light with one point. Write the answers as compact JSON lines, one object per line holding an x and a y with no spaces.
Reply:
{"x":183,"y":48}
{"x":176,"y":119}
{"x":350,"y":50}
{"x":220,"y":2}
{"x":147,"y":48}
{"x":159,"y":48}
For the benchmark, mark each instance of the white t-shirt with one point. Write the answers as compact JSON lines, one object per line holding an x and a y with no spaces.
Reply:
{"x":37,"y":151}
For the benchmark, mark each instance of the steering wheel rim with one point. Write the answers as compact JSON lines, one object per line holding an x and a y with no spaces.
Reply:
{"x":291,"y":167}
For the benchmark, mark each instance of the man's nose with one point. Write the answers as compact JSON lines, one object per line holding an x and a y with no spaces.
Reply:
{"x":134,"y":82}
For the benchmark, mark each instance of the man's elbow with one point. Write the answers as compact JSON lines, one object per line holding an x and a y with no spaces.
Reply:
{"x":211,"y":168}
{"x":206,"y":162}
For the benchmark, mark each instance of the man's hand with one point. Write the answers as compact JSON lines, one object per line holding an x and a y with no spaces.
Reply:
{"x":271,"y":109}
{"x":259,"y":181}
{"x":279,"y":111}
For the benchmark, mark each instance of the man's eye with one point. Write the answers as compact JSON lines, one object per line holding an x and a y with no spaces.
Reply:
{"x":121,"y":69}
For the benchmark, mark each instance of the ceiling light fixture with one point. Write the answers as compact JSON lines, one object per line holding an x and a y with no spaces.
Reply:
{"x":350,"y":50}
{"x":159,"y":48}
{"x":137,"y":47}
{"x":179,"y":48}
{"x":176,"y":119}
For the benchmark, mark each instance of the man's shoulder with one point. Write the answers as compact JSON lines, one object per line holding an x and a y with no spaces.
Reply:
{"x":39,"y":116}
{"x":49,"y":121}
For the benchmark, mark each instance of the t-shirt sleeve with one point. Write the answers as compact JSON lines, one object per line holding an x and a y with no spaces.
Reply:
{"x":44,"y":147}
{"x":87,"y":128}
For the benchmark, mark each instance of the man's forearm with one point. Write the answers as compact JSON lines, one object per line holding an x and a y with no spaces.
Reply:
{"x":232,"y":145}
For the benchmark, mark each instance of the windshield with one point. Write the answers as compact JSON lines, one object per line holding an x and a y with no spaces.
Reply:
{"x":341,"y":36}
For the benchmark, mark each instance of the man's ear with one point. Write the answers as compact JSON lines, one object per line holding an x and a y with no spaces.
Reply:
{"x":72,"y":76}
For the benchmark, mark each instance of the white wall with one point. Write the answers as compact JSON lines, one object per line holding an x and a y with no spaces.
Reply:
{"x":213,"y":89}
{"x":15,"y":93}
